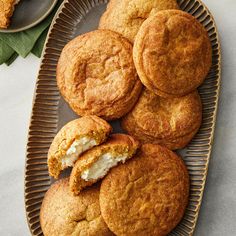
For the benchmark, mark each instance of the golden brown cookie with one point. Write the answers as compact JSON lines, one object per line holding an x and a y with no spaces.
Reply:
{"x":73,"y":139}
{"x":146,"y":196}
{"x":170,"y":122}
{"x":64,"y":214}
{"x":126,"y":16}
{"x":6,"y":10}
{"x":96,"y":163}
{"x":172,"y":53}
{"x":96,"y":75}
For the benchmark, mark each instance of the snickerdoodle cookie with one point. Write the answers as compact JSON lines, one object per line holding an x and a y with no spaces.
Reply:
{"x":126,"y":16}
{"x":96,"y":163}
{"x":64,"y":214}
{"x":146,"y":196}
{"x":171,"y":122}
{"x":172,"y":53}
{"x":96,"y":75}
{"x":6,"y":10}
{"x":74,"y":138}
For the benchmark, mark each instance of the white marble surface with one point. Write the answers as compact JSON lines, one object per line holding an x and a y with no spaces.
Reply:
{"x":218,"y":211}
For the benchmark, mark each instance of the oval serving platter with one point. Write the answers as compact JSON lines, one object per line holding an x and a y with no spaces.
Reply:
{"x":50,"y":112}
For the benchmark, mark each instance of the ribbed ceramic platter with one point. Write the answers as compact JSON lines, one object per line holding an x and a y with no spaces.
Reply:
{"x":50,"y":111}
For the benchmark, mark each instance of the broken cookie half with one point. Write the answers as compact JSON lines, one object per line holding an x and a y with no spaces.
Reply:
{"x":73,"y":139}
{"x":95,"y":164}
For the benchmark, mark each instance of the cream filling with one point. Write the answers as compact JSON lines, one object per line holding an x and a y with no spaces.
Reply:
{"x":77,"y":147}
{"x":101,"y":167}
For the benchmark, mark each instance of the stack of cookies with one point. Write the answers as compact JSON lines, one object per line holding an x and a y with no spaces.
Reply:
{"x":142,"y":66}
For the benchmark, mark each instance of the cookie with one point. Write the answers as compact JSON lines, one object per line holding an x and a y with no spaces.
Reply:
{"x":146,"y":196}
{"x":6,"y":10}
{"x":172,"y":53}
{"x":96,"y":163}
{"x":96,"y":75}
{"x":170,"y":122}
{"x":64,"y":214}
{"x":126,"y":17}
{"x":73,"y":139}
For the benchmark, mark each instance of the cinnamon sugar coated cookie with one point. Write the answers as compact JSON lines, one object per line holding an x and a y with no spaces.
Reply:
{"x":126,"y":16}
{"x":64,"y":214}
{"x":6,"y":10}
{"x":73,"y":139}
{"x":96,"y":75}
{"x":172,"y":53}
{"x":146,"y":196}
{"x":96,"y":163}
{"x":171,"y":122}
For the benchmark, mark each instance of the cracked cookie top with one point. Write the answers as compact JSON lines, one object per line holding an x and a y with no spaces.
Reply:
{"x":64,"y":214}
{"x":126,"y":16}
{"x":172,"y":53}
{"x":146,"y":196}
{"x":96,"y":75}
{"x":171,"y":122}
{"x":6,"y":11}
